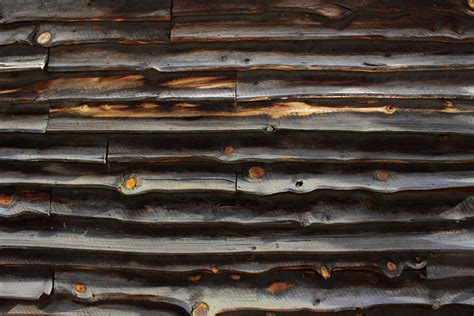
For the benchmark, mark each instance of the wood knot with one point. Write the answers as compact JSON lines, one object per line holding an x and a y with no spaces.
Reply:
{"x":391,"y":266}
{"x":6,"y":199}
{"x":389,"y":109}
{"x":235,"y":277}
{"x":80,"y":287}
{"x":325,"y":272}
{"x":130,"y":183}
{"x":382,"y":175}
{"x":277,"y":287}
{"x":44,"y":38}
{"x":256,"y":172}
{"x":200,"y":309}
{"x":228,"y":150}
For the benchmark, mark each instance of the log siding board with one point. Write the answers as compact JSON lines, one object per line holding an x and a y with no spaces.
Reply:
{"x":289,"y":56}
{"x":97,"y":10}
{"x":292,"y":290}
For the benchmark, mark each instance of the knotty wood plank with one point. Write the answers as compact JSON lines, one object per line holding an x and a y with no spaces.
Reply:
{"x":372,"y":115}
{"x":303,"y":146}
{"x":42,"y":87}
{"x":53,"y":148}
{"x":303,"y":85}
{"x":203,"y":265}
{"x":136,"y":33}
{"x":132,"y":180}
{"x":384,"y":181}
{"x":26,"y":202}
{"x":150,"y":116}
{"x":288,"y":291}
{"x":22,"y":58}
{"x":96,"y":10}
{"x":274,"y":56}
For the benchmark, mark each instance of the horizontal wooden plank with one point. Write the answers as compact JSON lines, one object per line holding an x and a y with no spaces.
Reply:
{"x":310,"y":211}
{"x":274,"y":56}
{"x":53,"y":148}
{"x":199,"y":266}
{"x":24,"y":118}
{"x":42,"y":87}
{"x":22,"y":58}
{"x":303,"y":146}
{"x":96,"y":10}
{"x":290,"y":291}
{"x":304,"y":85}
{"x":256,"y":179}
{"x":59,"y":306}
{"x":263,"y":180}
{"x":335,"y":10}
{"x":421,"y":116}
{"x":132,"y":180}
{"x":26,"y":202}
{"x":101,"y":240}
{"x":149,"y":117}
{"x":413,"y":26}
{"x":25,"y":285}
{"x":52,"y":34}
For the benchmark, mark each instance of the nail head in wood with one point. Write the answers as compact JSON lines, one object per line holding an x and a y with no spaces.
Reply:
{"x":256,"y":172}
{"x":44,"y":38}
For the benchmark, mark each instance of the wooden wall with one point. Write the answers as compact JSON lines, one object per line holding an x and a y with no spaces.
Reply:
{"x":238,"y":157}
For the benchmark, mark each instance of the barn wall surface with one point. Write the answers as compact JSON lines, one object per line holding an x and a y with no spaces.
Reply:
{"x":287,"y":157}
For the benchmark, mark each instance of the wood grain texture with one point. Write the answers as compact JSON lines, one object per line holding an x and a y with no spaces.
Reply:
{"x":414,"y":26}
{"x":385,"y":115}
{"x":287,"y":292}
{"x":69,"y":307}
{"x":24,"y":118}
{"x":336,"y":10}
{"x":25,"y":285}
{"x":357,"y":210}
{"x":86,"y":239}
{"x":53,"y":148}
{"x":22,"y":58}
{"x":289,"y":56}
{"x":289,"y":146}
{"x":97,"y":10}
{"x":42,"y":87}
{"x":304,"y":85}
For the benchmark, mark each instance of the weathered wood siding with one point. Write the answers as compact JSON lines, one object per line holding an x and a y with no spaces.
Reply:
{"x":239,"y":157}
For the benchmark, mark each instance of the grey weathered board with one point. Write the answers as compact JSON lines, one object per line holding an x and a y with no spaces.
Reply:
{"x":240,"y":157}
